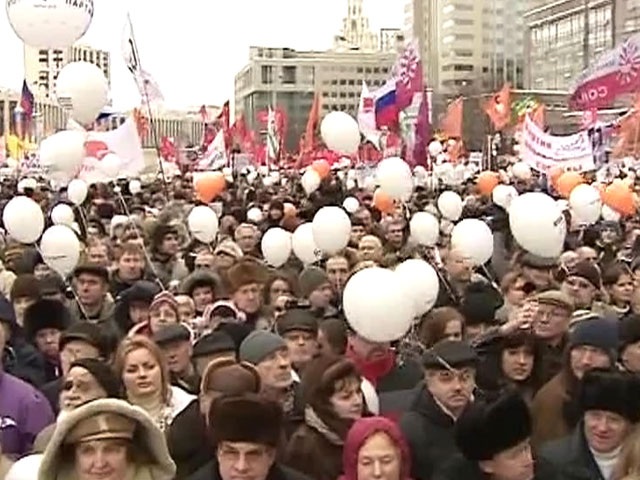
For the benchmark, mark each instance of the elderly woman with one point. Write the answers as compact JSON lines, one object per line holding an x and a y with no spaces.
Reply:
{"x":107,"y":439}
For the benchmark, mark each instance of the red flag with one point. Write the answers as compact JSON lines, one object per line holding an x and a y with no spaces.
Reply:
{"x":498,"y":107}
{"x":538,"y":116}
{"x":312,"y":123}
{"x":168,"y":149}
{"x":451,"y":124}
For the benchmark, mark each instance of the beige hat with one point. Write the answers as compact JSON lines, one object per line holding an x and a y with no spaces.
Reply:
{"x":556,"y":298}
{"x":102,"y":426}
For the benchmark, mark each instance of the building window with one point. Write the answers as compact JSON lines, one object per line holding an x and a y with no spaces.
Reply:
{"x":352,"y":82}
{"x":267,"y":74}
{"x":289,"y":75}
{"x":343,"y":82}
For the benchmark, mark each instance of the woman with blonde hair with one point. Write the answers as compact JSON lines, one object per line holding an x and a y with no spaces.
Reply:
{"x":628,"y":466}
{"x":5,"y":464}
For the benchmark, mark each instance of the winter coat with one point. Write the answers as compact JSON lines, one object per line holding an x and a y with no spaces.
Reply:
{"x":572,"y":457}
{"x":52,"y":391}
{"x":429,"y":431}
{"x":550,"y":412}
{"x":167,"y":271}
{"x":105,"y":320}
{"x":188,"y":442}
{"x":314,"y":449}
{"x":142,"y":291}
{"x":276,"y":472}
{"x":24,"y":412}
{"x":459,"y":468}
{"x":22,"y":360}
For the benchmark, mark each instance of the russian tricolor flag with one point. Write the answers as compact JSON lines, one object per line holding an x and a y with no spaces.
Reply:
{"x":386,"y":108}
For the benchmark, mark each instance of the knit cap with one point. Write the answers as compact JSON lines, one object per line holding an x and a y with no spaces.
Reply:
{"x":259,"y":345}
{"x":596,"y":332}
{"x":310,"y":279}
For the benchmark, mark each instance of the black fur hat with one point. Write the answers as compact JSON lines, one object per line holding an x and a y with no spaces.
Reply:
{"x":487,"y":428}
{"x":45,"y":313}
{"x":247,"y":418}
{"x":611,"y":391}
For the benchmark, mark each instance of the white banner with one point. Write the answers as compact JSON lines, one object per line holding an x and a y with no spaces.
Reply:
{"x":543,"y":151}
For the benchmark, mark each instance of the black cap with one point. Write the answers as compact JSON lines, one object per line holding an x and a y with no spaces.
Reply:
{"x":52,"y":284}
{"x":85,"y":332}
{"x":534,"y":261}
{"x":213,"y":343}
{"x":450,"y":354}
{"x":176,"y":332}
{"x":92,"y":269}
{"x":296,"y":320}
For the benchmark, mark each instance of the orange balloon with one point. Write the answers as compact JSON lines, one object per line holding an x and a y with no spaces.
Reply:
{"x":619,"y":197}
{"x":322,"y":167}
{"x":290,"y":210}
{"x":567,"y":182}
{"x":487,"y":181}
{"x":209,"y":185}
{"x":383,"y":201}
{"x":554,"y":174}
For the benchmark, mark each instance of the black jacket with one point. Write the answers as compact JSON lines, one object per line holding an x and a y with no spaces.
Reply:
{"x":188,"y":442}
{"x":22,"y":360}
{"x":460,"y":468}
{"x":429,"y":433}
{"x":52,"y":391}
{"x":277,"y":472}
{"x":572,"y":457}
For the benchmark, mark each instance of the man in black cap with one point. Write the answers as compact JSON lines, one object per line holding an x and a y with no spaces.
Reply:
{"x":538,"y":270}
{"x":210,"y":347}
{"x":582,"y":284}
{"x":52,"y":287}
{"x":610,"y":405}
{"x":436,"y":405}
{"x":493,"y":438}
{"x":299,"y":329}
{"x":175,"y":342}
{"x":79,"y":341}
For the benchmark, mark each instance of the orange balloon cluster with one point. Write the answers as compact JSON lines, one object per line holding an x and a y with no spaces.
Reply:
{"x":383,"y":202}
{"x":619,"y":197}
{"x":487,"y":181}
{"x":322,"y":168}
{"x":567,"y":182}
{"x":209,"y":185}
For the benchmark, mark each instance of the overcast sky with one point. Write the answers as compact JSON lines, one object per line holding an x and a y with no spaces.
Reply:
{"x":194,"y":47}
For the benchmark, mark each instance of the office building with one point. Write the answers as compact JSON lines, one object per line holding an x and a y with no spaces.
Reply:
{"x":41,"y":67}
{"x":288,"y":78}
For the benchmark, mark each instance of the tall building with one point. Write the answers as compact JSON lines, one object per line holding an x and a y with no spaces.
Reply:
{"x":289,"y":78}
{"x":391,"y":39}
{"x":468,"y":46}
{"x":355,"y":28}
{"x":41,"y":67}
{"x":563,"y":37}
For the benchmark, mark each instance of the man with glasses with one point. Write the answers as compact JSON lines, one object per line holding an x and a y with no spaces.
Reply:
{"x":437,"y":404}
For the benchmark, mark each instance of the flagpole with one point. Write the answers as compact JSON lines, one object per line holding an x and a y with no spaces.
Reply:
{"x":152,"y":123}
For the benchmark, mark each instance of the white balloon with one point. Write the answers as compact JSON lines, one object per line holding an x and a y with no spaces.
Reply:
{"x":503,"y":195}
{"x":62,"y":214}
{"x":331,"y":229}
{"x":255,"y":215}
{"x":375,"y":305}
{"x":304,"y":246}
{"x":586,"y":204}
{"x":562,"y":204}
{"x":23,"y":219}
{"x":135,"y":187}
{"x":82,"y":88}
{"x":276,"y":246}
{"x":420,"y":283}
{"x":110,"y":166}
{"x":60,"y":249}
{"x":537,"y":224}
{"x":49,"y":24}
{"x":521,"y":171}
{"x":394,"y":177}
{"x":63,"y":152}
{"x":435,"y":148}
{"x":203,"y":224}
{"x":450,"y":205}
{"x":77,"y":191}
{"x":25,"y":468}
{"x":609,"y":214}
{"x":310,"y":181}
{"x":425,"y":229}
{"x":340,"y":132}
{"x":351,"y":204}
{"x":473,"y":238}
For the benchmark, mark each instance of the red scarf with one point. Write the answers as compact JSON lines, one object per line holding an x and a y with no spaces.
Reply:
{"x":375,"y":369}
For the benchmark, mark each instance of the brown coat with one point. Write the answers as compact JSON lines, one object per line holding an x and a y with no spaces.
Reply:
{"x":310,"y":452}
{"x":549,"y":422}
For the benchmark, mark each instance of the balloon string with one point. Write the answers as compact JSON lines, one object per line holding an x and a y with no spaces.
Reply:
{"x":139,"y":236}
{"x":66,"y":282}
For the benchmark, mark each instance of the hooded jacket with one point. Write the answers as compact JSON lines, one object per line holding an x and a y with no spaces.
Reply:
{"x":141,"y":291}
{"x":360,"y":432}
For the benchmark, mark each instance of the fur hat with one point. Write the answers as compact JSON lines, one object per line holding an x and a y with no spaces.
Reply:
{"x":43,"y":314}
{"x":612,"y":391}
{"x":25,"y":285}
{"x":160,"y":231}
{"x":200,"y":279}
{"x":487,"y":428}
{"x":147,"y":436}
{"x":248,"y":418}
{"x":228,"y":377}
{"x":245,"y":272}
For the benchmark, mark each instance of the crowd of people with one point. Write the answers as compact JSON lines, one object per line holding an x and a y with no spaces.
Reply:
{"x":164,"y":358}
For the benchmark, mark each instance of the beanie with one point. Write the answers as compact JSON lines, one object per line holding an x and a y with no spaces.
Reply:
{"x":587,"y":270}
{"x":103,"y":374}
{"x":310,"y":279}
{"x":258,"y":345}
{"x":596,"y":332}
